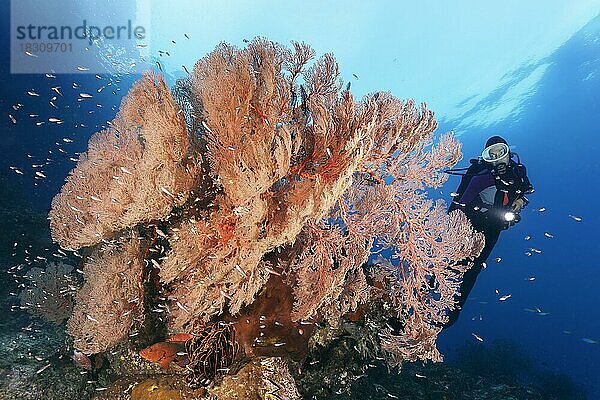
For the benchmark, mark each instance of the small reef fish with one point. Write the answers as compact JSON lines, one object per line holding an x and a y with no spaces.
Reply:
{"x":533,"y":310}
{"x":182,"y":307}
{"x":206,"y":127}
{"x":91,"y":318}
{"x":575,"y":218}
{"x":548,"y":235}
{"x":542,"y":209}
{"x":479,"y":338}
{"x":82,"y":360}
{"x":240,"y":270}
{"x":39,"y":371}
{"x":537,"y":311}
{"x":505,"y":297}
{"x":164,"y":353}
{"x":181,"y":337}
{"x":272,"y":272}
{"x":590,"y":341}
{"x":165,"y":191}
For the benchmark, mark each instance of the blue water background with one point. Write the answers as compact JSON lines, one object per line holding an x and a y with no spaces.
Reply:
{"x":557,"y":137}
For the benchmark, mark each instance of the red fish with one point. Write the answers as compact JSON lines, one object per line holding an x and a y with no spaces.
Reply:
{"x":180,"y":337}
{"x":82,"y":360}
{"x":163,"y":353}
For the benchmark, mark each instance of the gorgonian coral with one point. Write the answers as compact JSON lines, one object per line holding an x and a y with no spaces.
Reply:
{"x":111,"y":296}
{"x":262,"y":165}
{"x":132,"y":171}
{"x":50,"y":291}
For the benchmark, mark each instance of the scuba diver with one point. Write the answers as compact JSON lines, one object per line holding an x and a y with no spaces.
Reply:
{"x":491,"y":194}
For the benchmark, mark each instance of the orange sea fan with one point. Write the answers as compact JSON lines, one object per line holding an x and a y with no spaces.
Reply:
{"x":255,"y":134}
{"x":110,"y":298}
{"x":251,"y":175}
{"x":136,"y":170}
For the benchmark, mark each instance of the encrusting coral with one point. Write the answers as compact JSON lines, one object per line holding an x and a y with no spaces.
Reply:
{"x":259,"y":166}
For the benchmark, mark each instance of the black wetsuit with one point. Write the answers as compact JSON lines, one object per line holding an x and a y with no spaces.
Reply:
{"x":484,"y":196}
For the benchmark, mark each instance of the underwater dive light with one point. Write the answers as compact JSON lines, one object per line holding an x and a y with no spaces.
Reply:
{"x":509,"y":216}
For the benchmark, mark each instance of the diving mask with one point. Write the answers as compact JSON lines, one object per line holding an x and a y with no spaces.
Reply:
{"x":497,"y":153}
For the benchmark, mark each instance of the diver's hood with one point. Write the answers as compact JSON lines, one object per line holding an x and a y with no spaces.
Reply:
{"x":498,"y":153}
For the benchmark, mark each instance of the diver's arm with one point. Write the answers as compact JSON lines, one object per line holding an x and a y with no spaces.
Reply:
{"x":526,"y":186}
